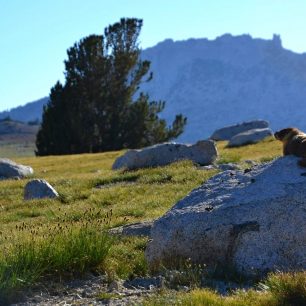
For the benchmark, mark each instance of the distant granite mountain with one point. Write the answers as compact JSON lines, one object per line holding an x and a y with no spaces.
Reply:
{"x":228,"y":80}
{"x":31,"y":111}
{"x":225,"y":81}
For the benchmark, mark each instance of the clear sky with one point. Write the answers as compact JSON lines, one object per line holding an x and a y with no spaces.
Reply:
{"x":35,"y":34}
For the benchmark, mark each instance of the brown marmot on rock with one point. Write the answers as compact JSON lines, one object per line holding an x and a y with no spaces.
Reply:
{"x":294,"y":142}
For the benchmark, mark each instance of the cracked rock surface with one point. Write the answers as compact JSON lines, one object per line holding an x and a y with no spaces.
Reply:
{"x":253,"y":220}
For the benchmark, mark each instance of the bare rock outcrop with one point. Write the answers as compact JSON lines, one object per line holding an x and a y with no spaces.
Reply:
{"x":204,"y":152}
{"x":253,"y":220}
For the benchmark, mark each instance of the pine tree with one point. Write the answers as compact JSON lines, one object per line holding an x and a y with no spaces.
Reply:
{"x":96,"y":110}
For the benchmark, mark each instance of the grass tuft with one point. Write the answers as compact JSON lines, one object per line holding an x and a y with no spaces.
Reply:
{"x":288,"y":288}
{"x":48,"y":249}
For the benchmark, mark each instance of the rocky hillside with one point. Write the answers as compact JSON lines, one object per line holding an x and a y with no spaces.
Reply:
{"x":223,"y":81}
{"x":228,"y":80}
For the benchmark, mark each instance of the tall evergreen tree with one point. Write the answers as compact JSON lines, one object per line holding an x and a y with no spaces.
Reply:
{"x":96,"y":110}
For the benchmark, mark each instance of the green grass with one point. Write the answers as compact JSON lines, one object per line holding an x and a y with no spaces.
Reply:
{"x":279,"y":289}
{"x":109,"y":296}
{"x":34,"y":252}
{"x":92,"y":199}
{"x":11,"y":149}
{"x":287,"y":288}
{"x":263,"y":151}
{"x":207,"y":297}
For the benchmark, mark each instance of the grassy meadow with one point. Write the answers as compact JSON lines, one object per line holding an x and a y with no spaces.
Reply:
{"x":54,"y":239}
{"x":17,"y":139}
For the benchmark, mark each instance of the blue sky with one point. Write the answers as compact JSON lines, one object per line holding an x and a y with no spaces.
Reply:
{"x":35,"y":34}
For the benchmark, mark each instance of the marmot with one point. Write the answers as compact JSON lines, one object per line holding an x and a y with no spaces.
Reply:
{"x":294,"y":142}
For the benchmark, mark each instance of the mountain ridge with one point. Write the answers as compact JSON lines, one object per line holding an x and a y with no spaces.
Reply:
{"x":30,"y":111}
{"x":225,"y":81}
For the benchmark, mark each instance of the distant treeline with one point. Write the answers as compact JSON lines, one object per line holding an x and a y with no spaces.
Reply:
{"x":9,"y":119}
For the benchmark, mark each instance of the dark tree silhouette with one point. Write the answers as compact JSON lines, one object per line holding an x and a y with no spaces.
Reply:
{"x":97,"y":108}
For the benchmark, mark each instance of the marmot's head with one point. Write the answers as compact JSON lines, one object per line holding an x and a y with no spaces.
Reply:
{"x":286,"y":133}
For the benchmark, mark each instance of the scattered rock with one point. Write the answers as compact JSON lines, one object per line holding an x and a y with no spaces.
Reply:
{"x":148,"y":283}
{"x":251,"y":136}
{"x":135,"y":229}
{"x":229,"y":166}
{"x":251,"y":162}
{"x":228,"y":132}
{"x":11,"y":170}
{"x":115,"y":285}
{"x":257,"y":222}
{"x":222,"y":167}
{"x":92,"y":290}
{"x":209,"y":167}
{"x":39,"y":189}
{"x":204,"y":152}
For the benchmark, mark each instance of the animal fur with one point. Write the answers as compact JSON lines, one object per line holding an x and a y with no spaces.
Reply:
{"x":294,"y":143}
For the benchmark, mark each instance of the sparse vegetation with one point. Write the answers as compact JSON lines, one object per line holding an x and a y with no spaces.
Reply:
{"x":71,"y":239}
{"x":279,"y":289}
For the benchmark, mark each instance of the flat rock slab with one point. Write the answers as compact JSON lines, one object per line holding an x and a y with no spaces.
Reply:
{"x":253,"y":220}
{"x":204,"y":152}
{"x":9,"y":169}
{"x":135,"y":229}
{"x":39,"y":189}
{"x":230,"y":131}
{"x":248,"y":137}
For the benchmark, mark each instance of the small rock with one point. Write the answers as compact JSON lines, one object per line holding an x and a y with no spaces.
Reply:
{"x":248,"y":137}
{"x":250,"y":162}
{"x":204,"y":152}
{"x":145,"y":283}
{"x":229,"y":166}
{"x":9,"y":169}
{"x":39,"y":189}
{"x":209,"y":167}
{"x":228,"y":132}
{"x":115,"y":286}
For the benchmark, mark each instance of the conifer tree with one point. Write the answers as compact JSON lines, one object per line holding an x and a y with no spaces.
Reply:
{"x":97,"y":108}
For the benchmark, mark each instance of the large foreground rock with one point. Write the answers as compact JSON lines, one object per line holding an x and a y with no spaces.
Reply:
{"x":228,"y":132}
{"x":251,"y":136}
{"x":254,"y":221}
{"x":204,"y":152}
{"x":9,"y":169}
{"x":39,"y":189}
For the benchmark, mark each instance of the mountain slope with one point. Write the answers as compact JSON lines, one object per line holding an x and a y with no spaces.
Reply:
{"x":28,"y":112}
{"x":228,"y":80}
{"x":220,"y":82}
